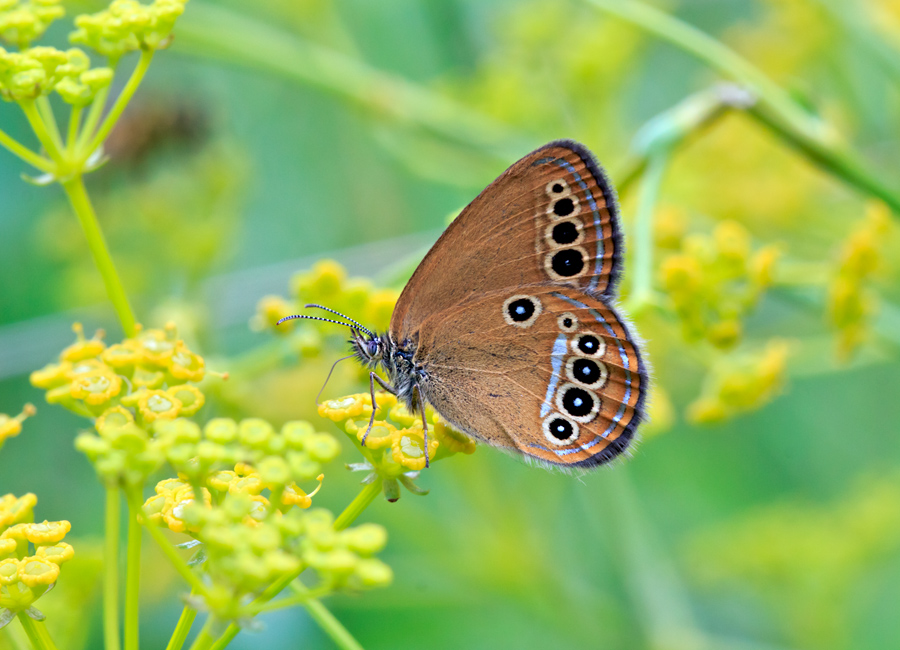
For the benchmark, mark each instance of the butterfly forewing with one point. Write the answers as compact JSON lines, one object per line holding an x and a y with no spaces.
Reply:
{"x":548,"y":371}
{"x":551,"y":217}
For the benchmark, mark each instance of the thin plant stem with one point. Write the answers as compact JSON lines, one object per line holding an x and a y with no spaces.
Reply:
{"x":360,"y":503}
{"x":37,"y":633}
{"x":81,"y":204}
{"x":774,"y":106}
{"x":14,"y":638}
{"x":642,"y":242}
{"x":132,"y":581}
{"x":299,"y":598}
{"x":134,"y":502}
{"x":121,"y":102}
{"x":205,"y":640}
{"x":40,"y":129}
{"x":93,"y":118}
{"x":217,"y":32}
{"x":183,"y":627}
{"x":26,"y":154}
{"x":331,"y":625}
{"x":74,"y":125}
{"x":111,"y":570}
{"x":46,"y":111}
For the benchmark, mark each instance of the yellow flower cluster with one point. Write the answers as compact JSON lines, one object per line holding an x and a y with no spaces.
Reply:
{"x":148,"y":373}
{"x":850,"y":301}
{"x":248,"y":542}
{"x":12,"y":426}
{"x":128,"y":25}
{"x":26,"y":576}
{"x":39,"y":71}
{"x":713,"y":282}
{"x":23,"y":22}
{"x":741,"y":384}
{"x":327,"y":284}
{"x":395,"y":447}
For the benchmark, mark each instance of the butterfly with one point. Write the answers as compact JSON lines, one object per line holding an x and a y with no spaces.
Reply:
{"x":509,"y":329}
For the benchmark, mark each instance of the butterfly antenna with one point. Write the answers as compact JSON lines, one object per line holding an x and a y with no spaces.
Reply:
{"x":319,"y":394}
{"x":327,"y":320}
{"x":337,"y":313}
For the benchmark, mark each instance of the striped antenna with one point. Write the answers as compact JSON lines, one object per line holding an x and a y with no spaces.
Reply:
{"x":337,"y":313}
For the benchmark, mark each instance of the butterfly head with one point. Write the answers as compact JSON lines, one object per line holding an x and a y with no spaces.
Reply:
{"x":368,"y":347}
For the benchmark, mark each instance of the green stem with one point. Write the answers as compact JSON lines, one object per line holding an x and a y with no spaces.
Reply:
{"x":111,"y":571}
{"x":642,"y":242}
{"x":183,"y":628}
{"x":121,"y":102}
{"x":331,"y":625}
{"x":37,"y":633}
{"x":74,"y":124}
{"x":26,"y":154}
{"x":205,"y":640}
{"x":839,"y":163}
{"x":81,"y":204}
{"x":93,"y":118}
{"x":46,"y":112}
{"x":360,"y":503}
{"x":132,"y":581}
{"x":40,"y":129}
{"x":217,"y":32}
{"x":774,"y":107}
{"x":300,"y":598}
{"x":134,"y":502}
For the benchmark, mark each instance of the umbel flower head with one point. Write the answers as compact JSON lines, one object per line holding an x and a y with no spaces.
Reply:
{"x":26,"y":575}
{"x":12,"y":426}
{"x":395,"y":446}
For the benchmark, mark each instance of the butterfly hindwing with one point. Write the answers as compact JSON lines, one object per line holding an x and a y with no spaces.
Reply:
{"x":550,"y":217}
{"x":544,"y":370}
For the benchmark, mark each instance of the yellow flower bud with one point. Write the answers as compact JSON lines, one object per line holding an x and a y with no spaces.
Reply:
{"x":10,"y":427}
{"x":7,"y":547}
{"x":16,"y":510}
{"x":37,"y":571}
{"x":408,"y":448}
{"x":96,"y":387}
{"x":83,"y":348}
{"x":9,"y":571}
{"x":57,"y":553}
{"x":157,"y":405}
{"x":190,"y":398}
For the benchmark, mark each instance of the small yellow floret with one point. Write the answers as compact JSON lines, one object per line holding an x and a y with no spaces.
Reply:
{"x":35,"y":571}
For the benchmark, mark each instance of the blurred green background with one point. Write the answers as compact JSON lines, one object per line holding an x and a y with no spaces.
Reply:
{"x":274,"y":133}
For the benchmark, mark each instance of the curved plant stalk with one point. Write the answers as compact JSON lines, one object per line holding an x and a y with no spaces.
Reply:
{"x":774,"y":107}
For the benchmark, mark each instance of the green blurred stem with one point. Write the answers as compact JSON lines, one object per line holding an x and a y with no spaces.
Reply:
{"x":40,"y":129}
{"x":121,"y":102}
{"x":642,"y":242}
{"x":774,"y":106}
{"x":111,"y":570}
{"x":328,"y":622}
{"x":46,"y":112}
{"x":205,"y":640}
{"x":74,"y":124}
{"x":300,"y":598}
{"x":171,"y":553}
{"x":183,"y":628}
{"x":220,"y":33}
{"x":360,"y":503}
{"x":37,"y":633}
{"x":839,"y":163}
{"x":81,"y":204}
{"x":133,"y":582}
{"x":26,"y":154}
{"x":93,"y":117}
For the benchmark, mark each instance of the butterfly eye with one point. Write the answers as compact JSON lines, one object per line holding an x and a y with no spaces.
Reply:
{"x":567,"y":322}
{"x":587,"y":372}
{"x":372,"y":347}
{"x":563,"y":233}
{"x":521,"y":310}
{"x":558,"y":188}
{"x":589,"y":345}
{"x":560,"y":430}
{"x":580,"y":404}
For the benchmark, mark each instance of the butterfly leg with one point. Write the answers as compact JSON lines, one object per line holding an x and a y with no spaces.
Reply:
{"x":421,"y":402}
{"x":381,"y":382}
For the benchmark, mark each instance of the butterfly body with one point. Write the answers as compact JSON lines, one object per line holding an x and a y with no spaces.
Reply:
{"x":509,"y":328}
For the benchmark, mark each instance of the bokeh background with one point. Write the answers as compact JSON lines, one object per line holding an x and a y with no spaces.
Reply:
{"x":762,"y":509}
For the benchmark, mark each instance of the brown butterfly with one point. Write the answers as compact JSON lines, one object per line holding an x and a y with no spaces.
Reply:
{"x":508,"y":327}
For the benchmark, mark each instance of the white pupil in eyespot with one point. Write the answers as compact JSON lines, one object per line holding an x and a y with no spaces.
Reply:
{"x":520,"y":310}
